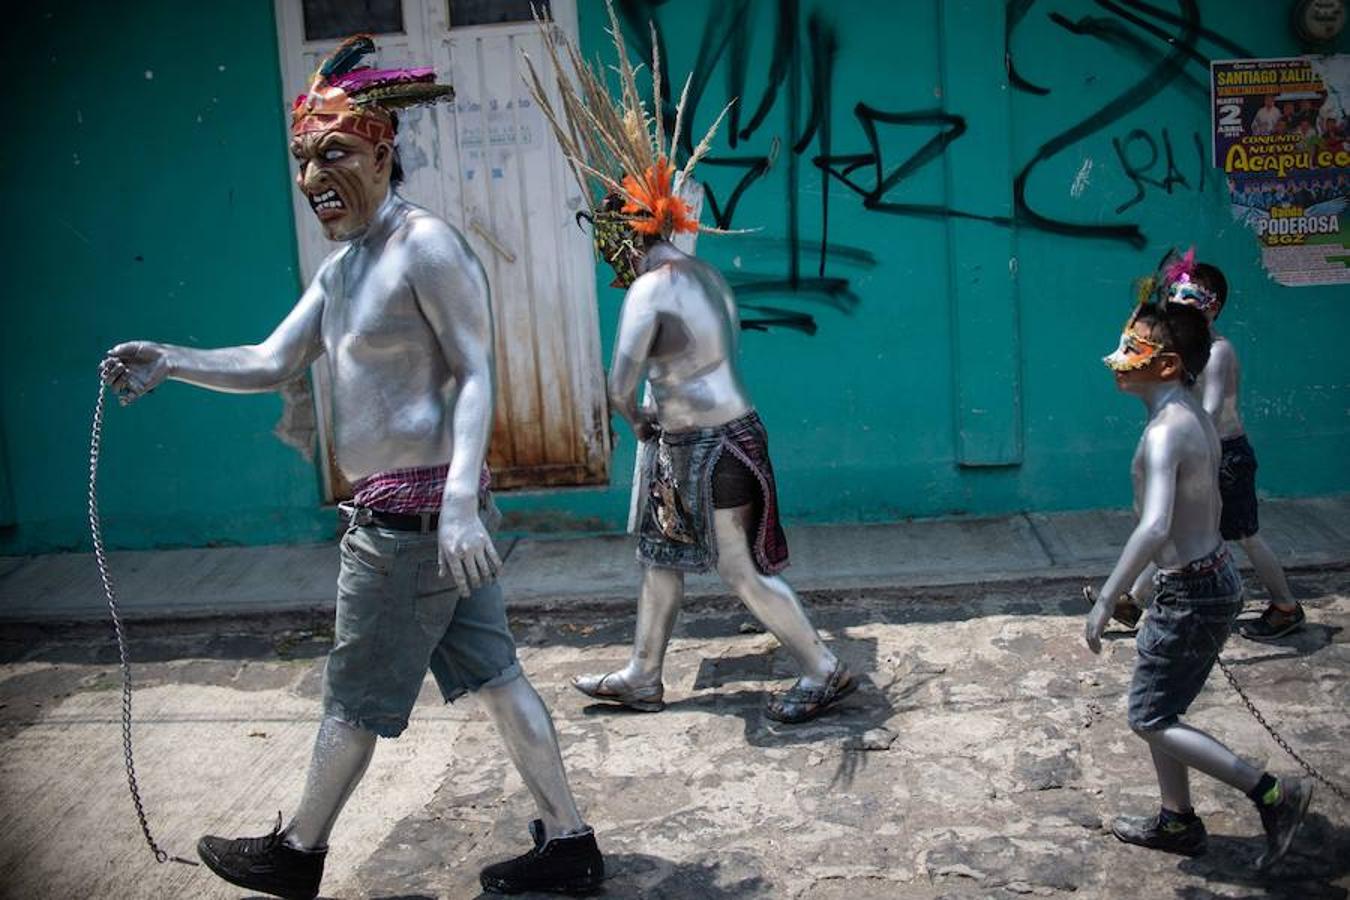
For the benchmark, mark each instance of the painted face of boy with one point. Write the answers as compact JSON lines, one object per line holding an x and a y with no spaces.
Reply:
{"x":344,"y":177}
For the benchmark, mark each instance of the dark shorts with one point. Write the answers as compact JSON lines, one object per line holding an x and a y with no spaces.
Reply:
{"x":688,"y":474}
{"x":1237,"y":489}
{"x":733,"y":483}
{"x":1186,"y":627}
{"x":397,"y":617}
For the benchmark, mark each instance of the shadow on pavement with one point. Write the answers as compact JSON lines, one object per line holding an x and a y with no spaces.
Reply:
{"x":655,"y":878}
{"x":866,"y":708}
{"x":1319,"y":856}
{"x":1311,"y":638}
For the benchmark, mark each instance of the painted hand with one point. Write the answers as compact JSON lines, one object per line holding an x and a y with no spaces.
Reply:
{"x":134,"y":369}
{"x":1096,"y":620}
{"x":465,"y":550}
{"x":646,"y":427}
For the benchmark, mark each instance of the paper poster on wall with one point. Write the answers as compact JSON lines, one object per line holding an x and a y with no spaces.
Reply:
{"x":1282,"y":139}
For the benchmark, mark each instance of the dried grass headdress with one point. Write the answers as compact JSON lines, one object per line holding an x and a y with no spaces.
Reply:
{"x":346,"y":96}
{"x":618,"y":148}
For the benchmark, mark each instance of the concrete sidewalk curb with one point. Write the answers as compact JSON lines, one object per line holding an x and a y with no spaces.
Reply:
{"x":600,"y":574}
{"x":318,"y":618}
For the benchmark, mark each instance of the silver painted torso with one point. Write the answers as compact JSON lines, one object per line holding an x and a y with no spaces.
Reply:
{"x":680,"y":322}
{"x":391,"y":385}
{"x":1218,"y":388}
{"x":1179,"y":429}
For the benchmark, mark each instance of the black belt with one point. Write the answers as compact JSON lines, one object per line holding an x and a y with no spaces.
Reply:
{"x":421,"y":523}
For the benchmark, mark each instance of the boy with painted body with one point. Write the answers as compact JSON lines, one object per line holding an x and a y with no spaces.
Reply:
{"x":1199,"y":591}
{"x":1204,"y":287}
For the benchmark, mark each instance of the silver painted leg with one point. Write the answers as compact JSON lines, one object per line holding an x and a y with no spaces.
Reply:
{"x":341,"y":754}
{"x":1269,"y":570}
{"x":526,"y":728}
{"x":1192,"y":747}
{"x":769,"y":597}
{"x":1174,"y":781}
{"x":658,"y":607}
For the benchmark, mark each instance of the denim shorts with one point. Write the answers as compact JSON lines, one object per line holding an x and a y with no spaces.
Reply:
{"x":1186,"y":627}
{"x":681,"y":490}
{"x":397,"y":617}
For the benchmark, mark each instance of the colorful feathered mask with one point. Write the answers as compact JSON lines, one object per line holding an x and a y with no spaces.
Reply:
{"x":346,"y":96}
{"x":618,"y":150}
{"x":1182,"y":288}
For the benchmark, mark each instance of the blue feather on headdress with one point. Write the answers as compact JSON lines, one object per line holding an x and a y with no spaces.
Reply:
{"x":348,"y":54}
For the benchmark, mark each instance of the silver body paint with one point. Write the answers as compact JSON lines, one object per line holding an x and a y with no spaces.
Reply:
{"x":1176,"y":499}
{"x":679,"y":327}
{"x":1175,"y":472}
{"x":1218,"y":388}
{"x":401,"y":315}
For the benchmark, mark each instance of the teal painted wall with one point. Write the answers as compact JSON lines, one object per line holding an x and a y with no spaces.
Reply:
{"x":146,"y":187}
{"x":954,"y":361}
{"x":873,"y":415}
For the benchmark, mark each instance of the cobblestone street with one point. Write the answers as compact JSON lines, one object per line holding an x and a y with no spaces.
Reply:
{"x":983,"y":757}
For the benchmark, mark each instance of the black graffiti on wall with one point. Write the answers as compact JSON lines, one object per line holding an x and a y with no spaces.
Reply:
{"x":1166,"y":44}
{"x":725,"y":42}
{"x":1140,"y":160}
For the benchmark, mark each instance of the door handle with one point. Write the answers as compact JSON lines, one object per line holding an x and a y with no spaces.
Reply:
{"x":493,"y":241}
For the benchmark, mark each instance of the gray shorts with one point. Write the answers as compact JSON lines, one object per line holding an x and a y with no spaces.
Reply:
{"x":1181,"y":637}
{"x":397,"y":617}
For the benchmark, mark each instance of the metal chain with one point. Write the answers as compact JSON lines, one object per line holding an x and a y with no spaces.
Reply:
{"x":1278,"y":738}
{"x":101,"y":558}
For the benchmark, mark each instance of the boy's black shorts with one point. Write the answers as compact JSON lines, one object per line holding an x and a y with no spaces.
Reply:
{"x":1237,"y":489}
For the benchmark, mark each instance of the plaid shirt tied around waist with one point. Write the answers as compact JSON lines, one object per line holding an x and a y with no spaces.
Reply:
{"x":409,"y":491}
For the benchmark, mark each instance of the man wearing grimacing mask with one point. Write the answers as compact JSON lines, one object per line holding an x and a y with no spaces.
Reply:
{"x":400,"y":315}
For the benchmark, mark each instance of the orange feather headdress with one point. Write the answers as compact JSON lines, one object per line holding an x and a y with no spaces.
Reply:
{"x":616,"y":147}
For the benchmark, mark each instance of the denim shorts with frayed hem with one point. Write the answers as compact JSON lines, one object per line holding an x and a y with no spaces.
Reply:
{"x":1186,"y":627}
{"x":397,"y":617}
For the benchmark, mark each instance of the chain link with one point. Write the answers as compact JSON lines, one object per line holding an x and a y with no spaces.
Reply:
{"x":101,"y":558}
{"x":1276,"y":736}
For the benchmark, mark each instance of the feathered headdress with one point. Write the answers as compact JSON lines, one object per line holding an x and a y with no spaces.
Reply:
{"x":617,"y":148}
{"x":360,"y":100}
{"x":1154,"y":288}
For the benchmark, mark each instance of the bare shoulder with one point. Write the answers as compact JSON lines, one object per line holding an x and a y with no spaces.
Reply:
{"x":651,"y":287}
{"x":429,"y":233}
{"x":1222,"y":354}
{"x":1167,"y":437}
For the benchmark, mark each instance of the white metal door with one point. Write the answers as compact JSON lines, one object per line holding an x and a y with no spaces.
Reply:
{"x":489,"y":166}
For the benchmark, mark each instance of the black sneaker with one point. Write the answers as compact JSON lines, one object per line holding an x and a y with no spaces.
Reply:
{"x":1272,"y":624}
{"x":265,"y":864}
{"x":1184,"y":838}
{"x":1281,"y":820}
{"x":563,"y":865}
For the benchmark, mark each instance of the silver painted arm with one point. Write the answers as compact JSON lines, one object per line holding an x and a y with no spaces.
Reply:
{"x":138,"y":367}
{"x":452,"y":293}
{"x":1214,"y":385}
{"x":632,"y":347}
{"x":1155,"y":521}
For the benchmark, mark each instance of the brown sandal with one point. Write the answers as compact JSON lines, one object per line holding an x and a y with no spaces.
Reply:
{"x":798,"y":704}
